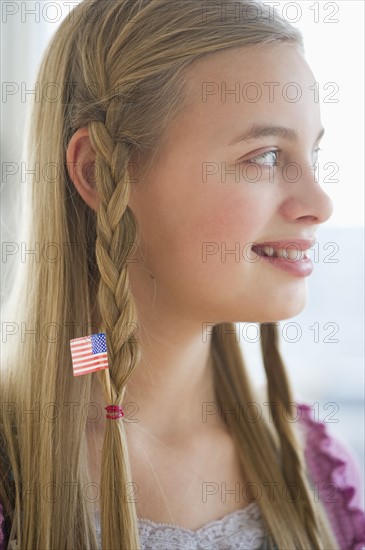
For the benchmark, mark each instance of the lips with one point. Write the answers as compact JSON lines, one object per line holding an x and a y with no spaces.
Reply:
{"x":286,"y":255}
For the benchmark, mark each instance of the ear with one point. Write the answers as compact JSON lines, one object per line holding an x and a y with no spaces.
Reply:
{"x":80,"y":164}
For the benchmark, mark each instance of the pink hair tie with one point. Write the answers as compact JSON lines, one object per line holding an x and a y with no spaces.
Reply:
{"x":114,"y":411}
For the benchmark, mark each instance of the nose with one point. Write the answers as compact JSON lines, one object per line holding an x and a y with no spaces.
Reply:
{"x":305,"y":199}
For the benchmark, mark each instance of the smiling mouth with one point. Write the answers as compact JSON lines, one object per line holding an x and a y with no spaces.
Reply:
{"x":285,"y":253}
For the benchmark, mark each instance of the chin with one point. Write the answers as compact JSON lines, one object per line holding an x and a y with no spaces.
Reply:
{"x":283,"y":304}
{"x":281,"y":314}
{"x":267,"y":314}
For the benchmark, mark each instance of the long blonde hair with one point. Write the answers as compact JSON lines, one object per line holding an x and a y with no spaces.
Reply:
{"x":119,"y":70}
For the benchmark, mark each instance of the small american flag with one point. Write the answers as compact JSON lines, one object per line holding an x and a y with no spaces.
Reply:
{"x":89,"y":354}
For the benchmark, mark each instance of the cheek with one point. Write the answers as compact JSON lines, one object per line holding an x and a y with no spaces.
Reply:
{"x":198,"y":265}
{"x":225,"y":219}
{"x":182,"y":219}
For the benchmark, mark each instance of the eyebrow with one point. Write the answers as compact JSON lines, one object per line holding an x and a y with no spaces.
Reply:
{"x":258,"y":131}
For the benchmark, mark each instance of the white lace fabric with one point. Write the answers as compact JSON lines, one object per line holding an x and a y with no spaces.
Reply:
{"x":239,"y":530}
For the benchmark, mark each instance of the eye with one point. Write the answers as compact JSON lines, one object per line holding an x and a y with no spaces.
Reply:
{"x":267,"y":158}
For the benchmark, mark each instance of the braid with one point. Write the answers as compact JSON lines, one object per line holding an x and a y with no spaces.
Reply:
{"x":279,"y":393}
{"x":116,"y":229}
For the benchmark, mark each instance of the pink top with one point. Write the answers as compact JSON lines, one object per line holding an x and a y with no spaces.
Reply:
{"x":336,"y":481}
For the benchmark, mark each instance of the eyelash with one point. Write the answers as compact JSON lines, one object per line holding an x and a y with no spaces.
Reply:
{"x":253,"y":160}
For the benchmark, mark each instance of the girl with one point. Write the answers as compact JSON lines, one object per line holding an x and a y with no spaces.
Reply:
{"x":169,"y":142}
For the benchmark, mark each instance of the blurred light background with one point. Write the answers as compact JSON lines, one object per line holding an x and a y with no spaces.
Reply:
{"x":325,"y":354}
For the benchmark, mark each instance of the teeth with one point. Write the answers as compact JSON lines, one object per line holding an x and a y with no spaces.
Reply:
{"x":269,"y":250}
{"x":285,"y":253}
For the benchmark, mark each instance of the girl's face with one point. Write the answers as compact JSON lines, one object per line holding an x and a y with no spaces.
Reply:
{"x":202,"y":205}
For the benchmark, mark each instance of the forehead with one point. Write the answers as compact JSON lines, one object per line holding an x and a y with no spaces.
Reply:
{"x":256,"y":84}
{"x":279,"y":63}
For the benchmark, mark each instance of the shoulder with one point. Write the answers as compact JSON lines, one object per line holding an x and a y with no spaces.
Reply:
{"x":335,"y":475}
{"x":333,"y":472}
{"x":327,"y":454}
{"x":2,"y":529}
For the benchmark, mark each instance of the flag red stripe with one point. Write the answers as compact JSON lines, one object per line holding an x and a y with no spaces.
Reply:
{"x":99,"y":357}
{"x":81,"y":346}
{"x":82,"y":354}
{"x":84,"y":363}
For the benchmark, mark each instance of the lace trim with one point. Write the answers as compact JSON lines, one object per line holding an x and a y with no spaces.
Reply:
{"x":329,"y":473}
{"x":239,"y":530}
{"x":227,"y":517}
